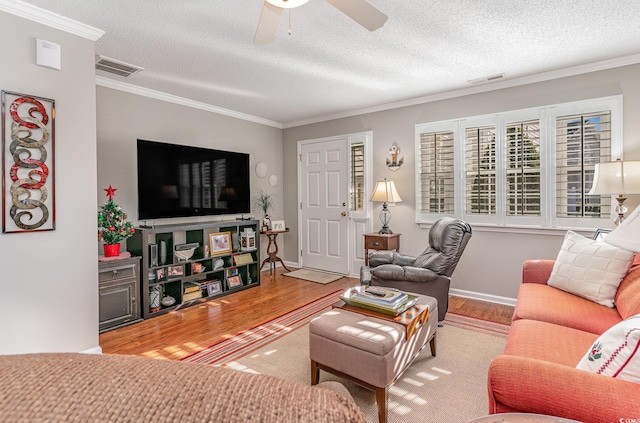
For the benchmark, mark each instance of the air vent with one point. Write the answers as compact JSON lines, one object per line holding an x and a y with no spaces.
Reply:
{"x":116,"y":66}
{"x":486,"y":79}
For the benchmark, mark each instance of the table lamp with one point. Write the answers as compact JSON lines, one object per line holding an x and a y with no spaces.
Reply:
{"x":618,"y":178}
{"x":627,"y":234}
{"x":385,"y":192}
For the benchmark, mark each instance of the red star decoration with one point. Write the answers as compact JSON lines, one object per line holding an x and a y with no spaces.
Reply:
{"x":111,"y":192}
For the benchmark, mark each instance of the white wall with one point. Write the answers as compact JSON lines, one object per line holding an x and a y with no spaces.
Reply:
{"x":491,"y":265}
{"x":49,"y":282}
{"x":124,"y":117}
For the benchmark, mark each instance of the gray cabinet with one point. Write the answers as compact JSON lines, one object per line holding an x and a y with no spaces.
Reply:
{"x":119,"y":290}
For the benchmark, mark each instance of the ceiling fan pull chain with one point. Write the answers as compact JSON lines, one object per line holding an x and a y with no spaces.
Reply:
{"x":289,"y":21}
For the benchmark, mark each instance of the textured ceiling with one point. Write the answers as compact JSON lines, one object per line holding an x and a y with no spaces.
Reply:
{"x":203,"y":50}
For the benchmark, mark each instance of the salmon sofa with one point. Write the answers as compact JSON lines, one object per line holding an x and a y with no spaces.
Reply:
{"x":551,"y":332}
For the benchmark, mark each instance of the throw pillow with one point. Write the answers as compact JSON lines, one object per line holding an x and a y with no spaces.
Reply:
{"x":616,"y":353}
{"x":590,"y":269}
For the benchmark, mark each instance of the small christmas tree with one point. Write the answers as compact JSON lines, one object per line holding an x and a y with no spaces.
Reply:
{"x":112,"y":221}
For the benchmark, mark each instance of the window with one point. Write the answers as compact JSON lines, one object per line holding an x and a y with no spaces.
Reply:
{"x":480,"y":170}
{"x":581,"y":142}
{"x":531,"y":167}
{"x":356,"y":174}
{"x":522,"y":168}
{"x":436,"y":172}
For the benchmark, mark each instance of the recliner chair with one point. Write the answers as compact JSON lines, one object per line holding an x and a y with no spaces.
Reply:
{"x":430,"y":272}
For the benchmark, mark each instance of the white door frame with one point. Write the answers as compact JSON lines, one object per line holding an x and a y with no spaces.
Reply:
{"x":359,"y":222}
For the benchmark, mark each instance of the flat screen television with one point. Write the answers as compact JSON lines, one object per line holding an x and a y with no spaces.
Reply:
{"x":182,"y":181}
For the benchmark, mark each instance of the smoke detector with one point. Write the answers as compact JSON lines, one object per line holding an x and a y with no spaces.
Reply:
{"x":116,"y":66}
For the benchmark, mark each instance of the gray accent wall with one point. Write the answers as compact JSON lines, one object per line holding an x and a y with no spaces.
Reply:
{"x":124,"y":117}
{"x":491,"y":266}
{"x":49,"y":280}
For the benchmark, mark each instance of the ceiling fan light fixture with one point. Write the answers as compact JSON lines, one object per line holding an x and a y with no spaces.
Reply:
{"x":287,"y":4}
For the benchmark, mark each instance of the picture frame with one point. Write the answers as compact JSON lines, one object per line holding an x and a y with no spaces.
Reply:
{"x":161,"y":274}
{"x":234,"y":281}
{"x":601,"y":234}
{"x":220,"y":243}
{"x":214,"y":288}
{"x":175,"y":271}
{"x":28,"y":188}
{"x":278,"y":226}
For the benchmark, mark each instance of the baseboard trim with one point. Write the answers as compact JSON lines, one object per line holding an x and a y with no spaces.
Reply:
{"x":483,"y":297}
{"x":95,"y":350}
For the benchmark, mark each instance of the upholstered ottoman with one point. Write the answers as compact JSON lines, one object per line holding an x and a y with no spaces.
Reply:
{"x":366,"y":350}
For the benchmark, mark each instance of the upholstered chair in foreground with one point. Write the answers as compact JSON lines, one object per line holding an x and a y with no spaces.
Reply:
{"x":430,"y":272}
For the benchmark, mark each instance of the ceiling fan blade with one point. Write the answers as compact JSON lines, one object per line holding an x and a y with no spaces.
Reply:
{"x":268,"y":24}
{"x":362,"y":12}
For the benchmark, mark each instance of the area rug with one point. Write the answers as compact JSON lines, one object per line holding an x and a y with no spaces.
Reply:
{"x":314,"y":276}
{"x":448,"y":388}
{"x":267,"y":332}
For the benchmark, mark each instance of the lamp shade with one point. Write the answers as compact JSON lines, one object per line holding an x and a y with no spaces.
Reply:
{"x":385,"y":192}
{"x":627,"y":234}
{"x":617,"y":177}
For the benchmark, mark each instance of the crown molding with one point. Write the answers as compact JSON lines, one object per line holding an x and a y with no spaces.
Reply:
{"x":170,"y":98}
{"x":45,"y":17}
{"x":476,"y":89}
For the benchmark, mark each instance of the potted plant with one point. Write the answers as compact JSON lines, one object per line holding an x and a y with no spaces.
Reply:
{"x":265,"y":202}
{"x":112,"y":225}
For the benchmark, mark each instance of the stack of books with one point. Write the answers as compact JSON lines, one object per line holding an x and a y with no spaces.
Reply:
{"x":376,"y":298}
{"x":192,"y":291}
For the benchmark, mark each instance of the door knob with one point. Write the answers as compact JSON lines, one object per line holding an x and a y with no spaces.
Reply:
{"x":344,"y":213}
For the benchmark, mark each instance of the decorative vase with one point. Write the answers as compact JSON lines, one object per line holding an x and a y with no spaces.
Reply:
{"x":111,"y":250}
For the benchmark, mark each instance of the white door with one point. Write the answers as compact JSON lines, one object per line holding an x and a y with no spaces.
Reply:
{"x":324,"y":190}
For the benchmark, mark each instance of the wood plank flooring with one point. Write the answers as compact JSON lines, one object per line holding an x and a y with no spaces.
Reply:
{"x":183,"y":332}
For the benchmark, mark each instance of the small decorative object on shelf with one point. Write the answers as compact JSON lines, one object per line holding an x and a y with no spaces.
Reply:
{"x":184,"y":252}
{"x":112,"y":225}
{"x":248,"y":239}
{"x":154,"y":298}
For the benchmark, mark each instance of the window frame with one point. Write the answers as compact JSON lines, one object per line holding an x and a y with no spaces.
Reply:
{"x":547,"y":116}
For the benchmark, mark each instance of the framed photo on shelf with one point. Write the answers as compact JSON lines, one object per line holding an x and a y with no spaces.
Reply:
{"x":234,"y":281}
{"x":175,"y":271}
{"x":214,"y":288}
{"x":161,"y":274}
{"x":278,"y":225}
{"x":220,"y":243}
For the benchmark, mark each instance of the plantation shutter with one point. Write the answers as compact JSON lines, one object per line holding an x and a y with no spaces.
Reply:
{"x":437,"y":172}
{"x":357,"y":178}
{"x":581,"y":142}
{"x":480,"y":170}
{"x":522,"y":147}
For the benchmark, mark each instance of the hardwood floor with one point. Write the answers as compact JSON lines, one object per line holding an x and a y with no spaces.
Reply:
{"x":183,"y":332}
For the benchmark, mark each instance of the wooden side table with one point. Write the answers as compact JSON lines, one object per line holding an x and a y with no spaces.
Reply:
{"x":380,"y":242}
{"x":272,"y":251}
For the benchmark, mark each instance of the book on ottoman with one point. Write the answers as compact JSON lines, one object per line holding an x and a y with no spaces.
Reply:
{"x":384,"y":300}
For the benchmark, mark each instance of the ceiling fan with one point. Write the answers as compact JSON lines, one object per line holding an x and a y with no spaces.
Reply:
{"x":360,"y":11}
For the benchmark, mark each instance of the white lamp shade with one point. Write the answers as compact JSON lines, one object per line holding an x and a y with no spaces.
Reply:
{"x":385,"y":192}
{"x":627,"y":235}
{"x":287,"y":4}
{"x":617,"y":177}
